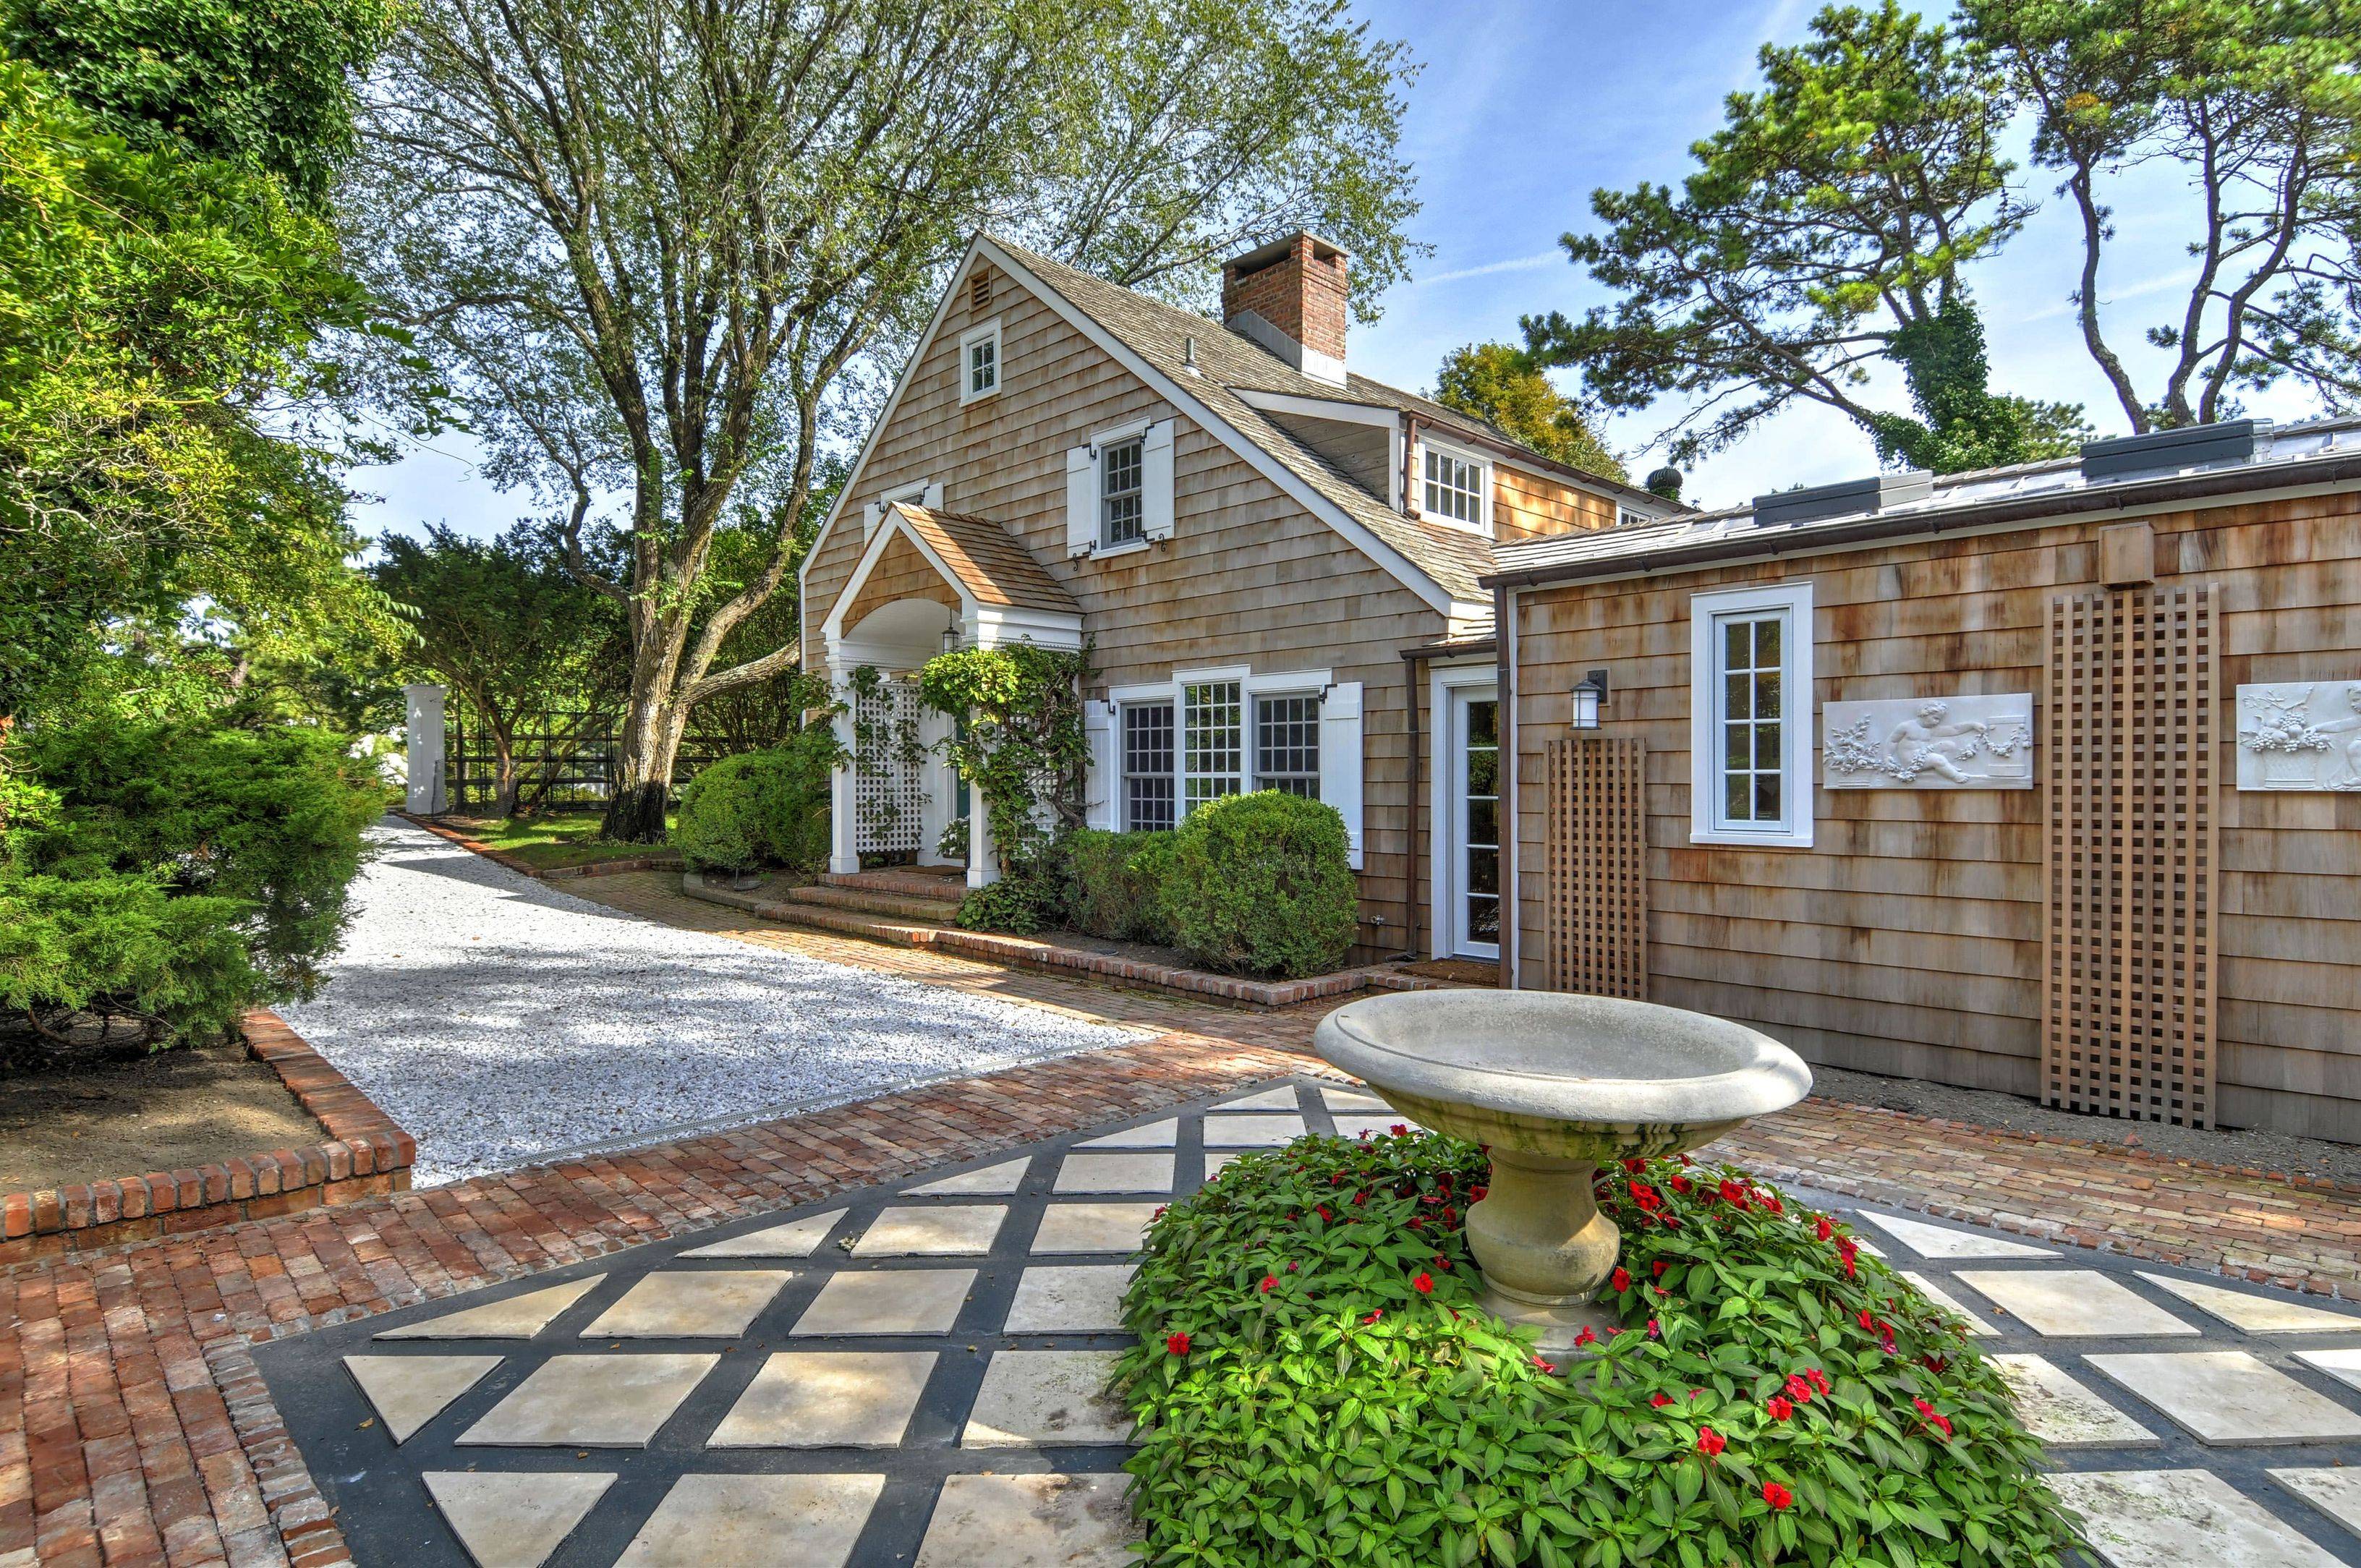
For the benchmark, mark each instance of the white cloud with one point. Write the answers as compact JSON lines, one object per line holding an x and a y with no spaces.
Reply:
{"x":1514,"y":264}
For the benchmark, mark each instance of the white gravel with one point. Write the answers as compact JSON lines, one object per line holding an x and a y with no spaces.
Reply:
{"x":498,"y":1019}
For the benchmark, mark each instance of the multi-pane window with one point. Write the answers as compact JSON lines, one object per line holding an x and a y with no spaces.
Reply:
{"x":1751,"y":719}
{"x":983,"y":366}
{"x":1455,"y":488}
{"x":1147,"y":766}
{"x":1120,"y":517}
{"x":1212,"y":741}
{"x":1287,"y":745}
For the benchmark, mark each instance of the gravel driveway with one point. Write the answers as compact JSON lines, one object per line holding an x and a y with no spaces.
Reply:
{"x":500,"y":1020}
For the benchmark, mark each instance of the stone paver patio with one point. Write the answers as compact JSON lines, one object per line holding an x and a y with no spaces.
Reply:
{"x":914,"y":1373}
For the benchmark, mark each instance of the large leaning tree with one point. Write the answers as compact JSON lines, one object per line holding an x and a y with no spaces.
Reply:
{"x":2258,"y":104}
{"x":665,"y":251}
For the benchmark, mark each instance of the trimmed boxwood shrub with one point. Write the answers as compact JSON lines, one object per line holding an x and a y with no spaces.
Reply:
{"x":1115,"y":884}
{"x":758,"y":809}
{"x":1314,"y":1382}
{"x":1259,"y":884}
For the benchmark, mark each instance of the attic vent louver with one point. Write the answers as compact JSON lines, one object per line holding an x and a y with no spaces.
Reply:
{"x":1788,"y":508}
{"x":2169,"y":451}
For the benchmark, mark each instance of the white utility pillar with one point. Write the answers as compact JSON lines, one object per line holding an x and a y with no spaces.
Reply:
{"x":426,"y":797}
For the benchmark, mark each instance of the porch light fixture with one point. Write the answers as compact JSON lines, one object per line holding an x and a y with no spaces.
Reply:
{"x":1589,"y":696}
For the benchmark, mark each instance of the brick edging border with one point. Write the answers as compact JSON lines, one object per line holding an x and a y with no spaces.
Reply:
{"x":366,"y":1155}
{"x":660,"y":861}
{"x":1027,"y":952}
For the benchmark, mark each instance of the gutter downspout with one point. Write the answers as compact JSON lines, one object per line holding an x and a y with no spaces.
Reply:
{"x":1412,"y":915}
{"x":1504,"y":658}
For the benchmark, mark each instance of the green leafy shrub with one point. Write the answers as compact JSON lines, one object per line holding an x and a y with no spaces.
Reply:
{"x":271,"y":817}
{"x":1259,"y":883}
{"x":1026,"y":900}
{"x":121,"y":947}
{"x":720,"y":826}
{"x":1114,"y":887}
{"x":1315,"y":1383}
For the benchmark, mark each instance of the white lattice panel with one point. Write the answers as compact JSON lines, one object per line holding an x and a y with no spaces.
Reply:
{"x":889,"y":795}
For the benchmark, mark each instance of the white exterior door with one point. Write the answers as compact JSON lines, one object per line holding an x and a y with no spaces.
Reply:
{"x":1471,"y":824}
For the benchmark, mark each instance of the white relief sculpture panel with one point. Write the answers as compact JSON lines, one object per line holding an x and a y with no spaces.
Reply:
{"x":2299,"y":735}
{"x":1953,"y":742}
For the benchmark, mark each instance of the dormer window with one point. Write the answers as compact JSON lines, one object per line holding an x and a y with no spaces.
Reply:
{"x":1455,"y":488}
{"x":980,"y":361}
{"x":1121,"y":518}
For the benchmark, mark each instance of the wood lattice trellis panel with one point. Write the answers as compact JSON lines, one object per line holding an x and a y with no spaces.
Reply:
{"x":1596,"y":847}
{"x":2129,"y":961}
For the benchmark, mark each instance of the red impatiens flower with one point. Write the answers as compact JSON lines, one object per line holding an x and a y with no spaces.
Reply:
{"x":1177,"y":1344}
{"x":1634,"y":1166}
{"x":1823,"y":1229}
{"x":1269,"y":1283}
{"x":1939,"y":1423}
{"x":1733,"y":1194}
{"x":1545,"y":1365}
{"x":1375,"y":1313}
{"x":1818,"y":1379}
{"x":1620,"y":1281}
{"x":1659,"y":1400}
{"x":1681,"y":1184}
{"x":1400,"y":1129}
{"x":1645,"y":1197}
{"x":1799,"y":1391}
{"x":1778,"y":1409}
{"x":1660,"y":1268}
{"x":1709,"y":1442}
{"x":1778,"y":1497}
{"x":1423,"y":1282}
{"x":1585,"y":1337}
{"x":1848,"y":1249}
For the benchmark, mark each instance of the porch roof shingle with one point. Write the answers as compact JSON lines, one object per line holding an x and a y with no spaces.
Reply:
{"x":987,"y":560}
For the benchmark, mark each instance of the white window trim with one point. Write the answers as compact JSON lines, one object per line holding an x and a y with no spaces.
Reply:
{"x":1444,"y":682}
{"x":976,"y":335}
{"x":1483,"y":465}
{"x":1705,"y":702}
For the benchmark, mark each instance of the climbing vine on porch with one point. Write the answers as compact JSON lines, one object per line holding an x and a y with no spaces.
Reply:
{"x":1021,"y":745}
{"x":885,"y":743}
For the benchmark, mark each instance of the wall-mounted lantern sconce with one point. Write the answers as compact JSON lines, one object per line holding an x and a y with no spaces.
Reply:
{"x":1589,"y":696}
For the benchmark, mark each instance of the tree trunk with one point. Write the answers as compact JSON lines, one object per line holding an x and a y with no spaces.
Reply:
{"x":635,"y":812}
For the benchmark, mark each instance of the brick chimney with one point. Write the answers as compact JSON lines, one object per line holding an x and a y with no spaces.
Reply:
{"x":1288,"y":296}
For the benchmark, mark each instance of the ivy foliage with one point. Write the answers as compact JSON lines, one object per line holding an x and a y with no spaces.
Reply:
{"x":1313,"y":1382}
{"x":1022,"y":747}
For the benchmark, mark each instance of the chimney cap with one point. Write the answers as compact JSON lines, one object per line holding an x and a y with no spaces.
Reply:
{"x":1279,"y":249}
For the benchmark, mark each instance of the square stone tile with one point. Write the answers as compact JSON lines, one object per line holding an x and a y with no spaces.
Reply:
{"x":1283,"y":1098}
{"x":889,"y":1301}
{"x":848,"y":1398}
{"x":708,"y":1520}
{"x":1943,"y":1242}
{"x":682,"y":1303}
{"x":932,"y":1229}
{"x":1371,"y":1124}
{"x":2228,"y":1397}
{"x":408,"y":1391}
{"x":2345,"y":1365}
{"x":2070,"y":1302}
{"x":1355,"y":1100}
{"x":2264,"y":1311}
{"x":1093,"y":1227}
{"x":516,"y":1519}
{"x":1071,"y":1298}
{"x":1030,"y":1521}
{"x":2064,"y":1414}
{"x":1945,"y":1300}
{"x":591,"y":1401}
{"x":1154,"y":1135}
{"x":2180,"y":1519}
{"x":1257,"y":1131}
{"x":1217,"y":1163}
{"x":991,"y":1181}
{"x":794,"y":1238}
{"x":519,"y":1317}
{"x":1039,"y":1398}
{"x":1116,"y":1173}
{"x":2336,"y":1493}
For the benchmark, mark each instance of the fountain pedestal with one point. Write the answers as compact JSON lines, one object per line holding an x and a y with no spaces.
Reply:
{"x":1553,"y":1087}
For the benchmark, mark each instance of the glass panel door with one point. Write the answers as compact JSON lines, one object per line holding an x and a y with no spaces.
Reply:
{"x":1476,"y":812}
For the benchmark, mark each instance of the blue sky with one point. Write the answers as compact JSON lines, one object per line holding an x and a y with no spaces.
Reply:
{"x":1523,"y":107}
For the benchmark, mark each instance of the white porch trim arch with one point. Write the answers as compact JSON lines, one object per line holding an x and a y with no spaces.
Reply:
{"x":1005,"y":597}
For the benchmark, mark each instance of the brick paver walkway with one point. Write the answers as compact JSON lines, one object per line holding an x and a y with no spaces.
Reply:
{"x":134,"y":1428}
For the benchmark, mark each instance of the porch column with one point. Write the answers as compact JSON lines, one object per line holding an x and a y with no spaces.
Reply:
{"x":424,"y":795}
{"x":982,"y":863}
{"x":843,"y":817}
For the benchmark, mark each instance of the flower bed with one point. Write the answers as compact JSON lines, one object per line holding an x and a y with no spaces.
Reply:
{"x":1312,"y":1383}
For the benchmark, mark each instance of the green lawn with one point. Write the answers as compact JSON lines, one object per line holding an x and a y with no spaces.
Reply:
{"x":550,"y":843}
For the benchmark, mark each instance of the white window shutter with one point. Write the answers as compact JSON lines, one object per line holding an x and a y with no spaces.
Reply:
{"x":1081,"y":500}
{"x":871,"y":516}
{"x":1340,"y":759}
{"x":1156,"y":481}
{"x":933,"y":499}
{"x":1099,"y":789}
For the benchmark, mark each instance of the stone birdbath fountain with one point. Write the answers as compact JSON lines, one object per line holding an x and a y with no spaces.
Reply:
{"x":1555,"y":1086}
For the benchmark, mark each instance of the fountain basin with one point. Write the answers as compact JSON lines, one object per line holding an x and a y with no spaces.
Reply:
{"x":1555,"y":1086}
